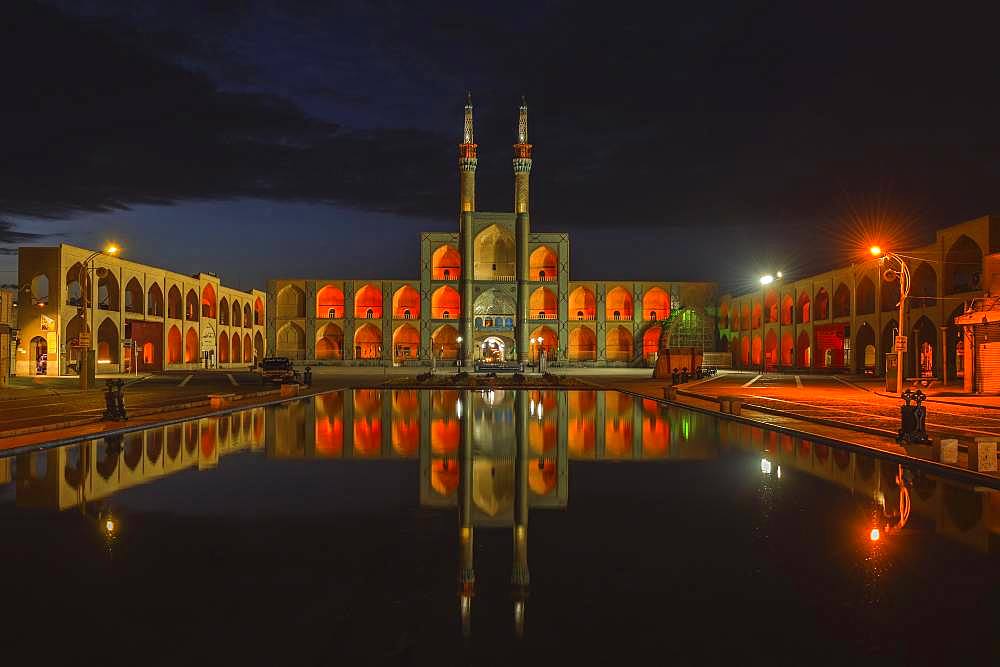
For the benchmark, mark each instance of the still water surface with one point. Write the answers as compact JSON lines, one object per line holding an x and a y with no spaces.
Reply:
{"x":448,"y":527}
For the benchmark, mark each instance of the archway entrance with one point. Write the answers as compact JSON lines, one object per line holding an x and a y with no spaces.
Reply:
{"x":493,"y":350}
{"x":39,"y":355}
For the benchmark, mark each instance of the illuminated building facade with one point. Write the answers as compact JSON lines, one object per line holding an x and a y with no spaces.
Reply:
{"x":8,"y":327}
{"x":497,"y":285}
{"x":847,"y":319}
{"x":139,"y":316}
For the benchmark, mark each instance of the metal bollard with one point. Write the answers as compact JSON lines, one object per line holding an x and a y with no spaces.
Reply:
{"x":307,"y":376}
{"x":913,"y":419}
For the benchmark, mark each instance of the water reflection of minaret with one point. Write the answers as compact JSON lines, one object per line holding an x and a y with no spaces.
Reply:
{"x":466,"y":543}
{"x":519,"y":576}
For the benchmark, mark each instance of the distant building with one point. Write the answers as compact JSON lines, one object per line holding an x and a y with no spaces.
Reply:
{"x":139,"y":316}
{"x":498,"y":286}
{"x":847,"y":319}
{"x":8,"y":332}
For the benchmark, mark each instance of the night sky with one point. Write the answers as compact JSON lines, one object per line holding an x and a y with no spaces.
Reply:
{"x":317,"y":138}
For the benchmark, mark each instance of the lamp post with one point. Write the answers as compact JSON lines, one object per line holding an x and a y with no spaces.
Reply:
{"x":903,"y":275}
{"x":459,"y":361}
{"x":764,"y":282}
{"x":83,"y":277}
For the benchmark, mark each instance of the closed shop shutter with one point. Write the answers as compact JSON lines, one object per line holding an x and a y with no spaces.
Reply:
{"x":987,"y":339}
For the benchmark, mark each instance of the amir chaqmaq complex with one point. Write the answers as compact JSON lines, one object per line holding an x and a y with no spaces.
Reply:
{"x":493,"y":290}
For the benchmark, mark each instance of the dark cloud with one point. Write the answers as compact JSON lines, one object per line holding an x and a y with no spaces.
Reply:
{"x":9,"y":235}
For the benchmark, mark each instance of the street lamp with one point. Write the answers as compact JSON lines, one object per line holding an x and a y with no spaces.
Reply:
{"x":765,"y":280}
{"x":83,"y":277}
{"x":903,"y":275}
{"x":460,"y":360}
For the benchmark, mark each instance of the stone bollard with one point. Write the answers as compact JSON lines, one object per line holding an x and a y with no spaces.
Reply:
{"x":736,"y":406}
{"x":946,"y":451}
{"x":218,"y":401}
{"x":983,"y":455}
{"x":724,"y":404}
{"x":288,"y":390}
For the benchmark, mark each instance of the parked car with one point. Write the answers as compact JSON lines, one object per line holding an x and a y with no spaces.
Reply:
{"x":278,"y":370}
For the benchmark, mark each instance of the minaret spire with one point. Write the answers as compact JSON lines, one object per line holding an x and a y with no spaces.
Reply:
{"x":467,"y":161}
{"x":522,"y":160}
{"x":522,"y":122}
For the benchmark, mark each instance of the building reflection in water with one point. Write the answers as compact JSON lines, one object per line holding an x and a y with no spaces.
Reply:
{"x":491,"y":455}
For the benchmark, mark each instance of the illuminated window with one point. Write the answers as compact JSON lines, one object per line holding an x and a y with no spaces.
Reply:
{"x":447,"y":274}
{"x":406,"y":314}
{"x":447,"y":315}
{"x":618,"y":315}
{"x":332,"y":313}
{"x":370,"y":315}
{"x":541,"y":275}
{"x":541,"y":314}
{"x":652,"y":315}
{"x":579,"y":315}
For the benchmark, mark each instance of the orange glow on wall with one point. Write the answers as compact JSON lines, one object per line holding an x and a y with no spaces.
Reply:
{"x":405,"y":434}
{"x":724,"y":316}
{"x":406,"y":303}
{"x":330,"y":424}
{"x":619,"y":344}
{"x":207,"y":301}
{"x":619,"y":301}
{"x":445,"y":435}
{"x":330,"y":342}
{"x":542,"y":435}
{"x":329,"y":302}
{"x":548,"y":344}
{"x":446,"y":263}
{"x":368,"y":342}
{"x":405,"y":343}
{"x":191,"y":348}
{"x":542,"y":476}
{"x":445,"y":342}
{"x":542,"y":264}
{"x":367,"y":435}
{"x":368,"y":303}
{"x":582,"y":344}
{"x":651,"y":341}
{"x":655,"y":431}
{"x":655,"y":304}
{"x":444,"y":476}
{"x":446,"y":304}
{"x":582,"y":304}
{"x":223,"y":348}
{"x":618,"y":425}
{"x":208,"y":438}
{"x":542,"y":304}
{"x":581,"y":436}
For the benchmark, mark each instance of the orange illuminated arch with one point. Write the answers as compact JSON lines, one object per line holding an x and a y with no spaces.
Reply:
{"x":247,"y":349}
{"x":787,"y":309}
{"x":368,"y":342}
{"x":619,"y":344}
{"x":329,"y":302}
{"x":582,"y":304}
{"x":405,"y":343}
{"x":549,"y":343}
{"x":406,"y":303}
{"x":330,"y":424}
{"x":223,"y":348}
{"x":446,"y":304}
{"x":446,"y":263}
{"x":542,"y":304}
{"x":655,"y":304}
{"x":191,"y":306}
{"x":651,"y":341}
{"x":618,"y":304}
{"x":258,"y":312}
{"x":744,"y":316}
{"x":445,"y":342}
{"x":787,"y":349}
{"x":237,"y":320}
{"x":191,"y":348}
{"x":175,"y":307}
{"x":330,"y":342}
{"x":367,"y":422}
{"x":368,"y":303}
{"x":542,"y":264}
{"x":237,"y":348}
{"x":175,"y":351}
{"x":208,"y":303}
{"x":224,"y":311}
{"x":724,"y":315}
{"x":582,"y":344}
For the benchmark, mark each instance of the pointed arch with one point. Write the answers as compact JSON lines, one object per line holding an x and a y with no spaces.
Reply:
{"x":445,"y":342}
{"x":406,"y":303}
{"x":191,"y":306}
{"x":804,"y":350}
{"x":74,"y":290}
{"x":175,"y":305}
{"x":757,"y":312}
{"x":744,"y":351}
{"x":258,"y":346}
{"x":224,"y":311}
{"x":842,"y":301}
{"x":618,"y":345}
{"x":549,"y":343}
{"x":889,"y":294}
{"x":291,"y":302}
{"x":771,"y":349}
{"x":963,"y":265}
{"x":655,"y":304}
{"x":803,"y":309}
{"x":258,"y":312}
{"x":543,"y":264}
{"x":582,"y":344}
{"x":446,"y":263}
{"x":247,"y":348}
{"x":744,"y":316}
{"x":330,"y":342}
{"x":108,"y":297}
{"x":175,"y":351}
{"x":191,"y":348}
{"x":290,"y":341}
{"x":208,"y":301}
{"x":651,"y":341}
{"x":223,"y":348}
{"x":237,"y":347}
{"x":154,"y":301}
{"x":822,"y":309}
{"x":133,"y":296}
{"x":494,"y":254}
{"x":888,"y":337}
{"x":618,"y":304}
{"x":405,"y":343}
{"x":865,"y":355}
{"x":771,"y":306}
{"x":724,"y":315}
{"x":446,"y":304}
{"x":787,"y":310}
{"x":330,"y":303}
{"x":923,"y":353}
{"x":368,"y":342}
{"x":787,"y":349}
{"x":108,"y":345}
{"x":237,"y":311}
{"x":865,"y":297}
{"x":582,"y":304}
{"x":368,"y":302}
{"x":923,"y":287}
{"x":542,"y":304}
{"x":247,"y":314}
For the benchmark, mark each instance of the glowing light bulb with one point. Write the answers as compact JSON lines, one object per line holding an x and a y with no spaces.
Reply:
{"x":875,"y":535}
{"x":875,"y":250}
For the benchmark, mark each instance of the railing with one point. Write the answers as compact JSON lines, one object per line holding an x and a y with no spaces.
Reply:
{"x":543,"y":316}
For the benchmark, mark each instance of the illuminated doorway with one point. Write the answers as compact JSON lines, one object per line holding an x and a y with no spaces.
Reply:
{"x":493,"y":350}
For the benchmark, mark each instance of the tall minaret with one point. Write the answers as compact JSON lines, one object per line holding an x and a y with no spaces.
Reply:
{"x":522,"y":170}
{"x":522,"y":160}
{"x":467,"y":162}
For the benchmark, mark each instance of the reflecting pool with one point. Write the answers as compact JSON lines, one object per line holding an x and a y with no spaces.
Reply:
{"x":393,"y":527}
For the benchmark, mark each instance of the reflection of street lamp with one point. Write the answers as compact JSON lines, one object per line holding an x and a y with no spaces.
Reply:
{"x":83,"y":277}
{"x":903,"y":275}
{"x":764,"y":282}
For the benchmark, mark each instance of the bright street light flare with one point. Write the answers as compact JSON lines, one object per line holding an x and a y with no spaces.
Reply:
{"x":875,"y":250}
{"x":766,"y":280}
